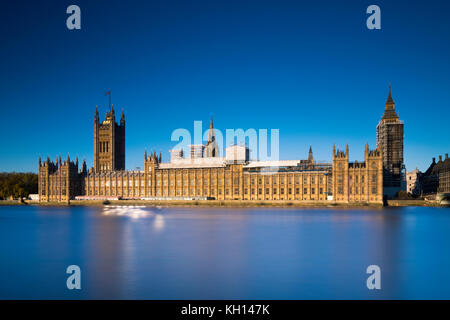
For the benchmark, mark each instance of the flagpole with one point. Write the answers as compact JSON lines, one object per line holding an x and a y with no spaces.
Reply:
{"x":109,"y":94}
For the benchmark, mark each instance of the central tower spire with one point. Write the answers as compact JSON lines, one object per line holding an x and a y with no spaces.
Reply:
{"x":211,"y":148}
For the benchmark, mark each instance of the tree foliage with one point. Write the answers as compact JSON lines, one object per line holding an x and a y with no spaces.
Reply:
{"x":17,"y":184}
{"x":403,"y":195}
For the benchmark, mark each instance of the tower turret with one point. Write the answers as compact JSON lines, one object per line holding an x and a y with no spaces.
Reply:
{"x":109,"y":142}
{"x":96,"y":118}
{"x":122,"y":119}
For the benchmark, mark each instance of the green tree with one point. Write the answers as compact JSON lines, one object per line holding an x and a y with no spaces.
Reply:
{"x":17,"y":184}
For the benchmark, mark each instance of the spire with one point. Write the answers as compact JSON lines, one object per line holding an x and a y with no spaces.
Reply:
{"x":389,"y":99}
{"x":211,"y":136}
{"x":96,"y":114}
{"x":122,"y":118}
{"x":310,"y":155}
{"x":389,"y":109}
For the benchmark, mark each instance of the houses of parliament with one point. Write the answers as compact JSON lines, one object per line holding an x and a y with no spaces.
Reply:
{"x":205,"y":174}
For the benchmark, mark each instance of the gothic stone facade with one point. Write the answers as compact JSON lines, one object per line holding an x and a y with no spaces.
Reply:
{"x":109,"y":142}
{"x":304,"y":180}
{"x":60,"y":180}
{"x":222,"y":182}
{"x":358,"y":181}
{"x":213,"y":177}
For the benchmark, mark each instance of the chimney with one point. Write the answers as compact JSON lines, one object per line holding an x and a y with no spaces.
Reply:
{"x":440,"y":158}
{"x":434,"y":160}
{"x":446,"y":156}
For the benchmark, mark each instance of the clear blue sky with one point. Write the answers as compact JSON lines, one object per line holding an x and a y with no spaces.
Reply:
{"x":310,"y":68}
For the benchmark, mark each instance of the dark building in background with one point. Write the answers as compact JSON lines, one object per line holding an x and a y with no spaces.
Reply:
{"x":109,"y":142}
{"x":437,"y":177}
{"x":390,"y":137}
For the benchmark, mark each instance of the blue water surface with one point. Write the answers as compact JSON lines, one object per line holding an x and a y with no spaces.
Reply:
{"x":224,"y":253}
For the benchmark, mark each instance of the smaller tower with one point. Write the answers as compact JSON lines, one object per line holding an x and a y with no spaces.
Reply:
{"x":340,"y":174}
{"x":310,"y":155}
{"x":109,"y":142}
{"x":374,"y":171}
{"x":211,"y":148}
{"x":151,"y":163}
{"x":122,"y":119}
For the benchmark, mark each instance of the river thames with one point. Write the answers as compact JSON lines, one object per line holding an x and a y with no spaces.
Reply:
{"x":224,"y":253}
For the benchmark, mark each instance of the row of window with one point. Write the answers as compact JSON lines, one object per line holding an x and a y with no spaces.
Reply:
{"x":290,"y":180}
{"x":53,"y":192}
{"x":103,"y":183}
{"x":105,"y":167}
{"x":340,"y":190}
{"x":267,"y":191}
{"x":191,"y":192}
{"x":340,"y":178}
{"x":103,"y":146}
